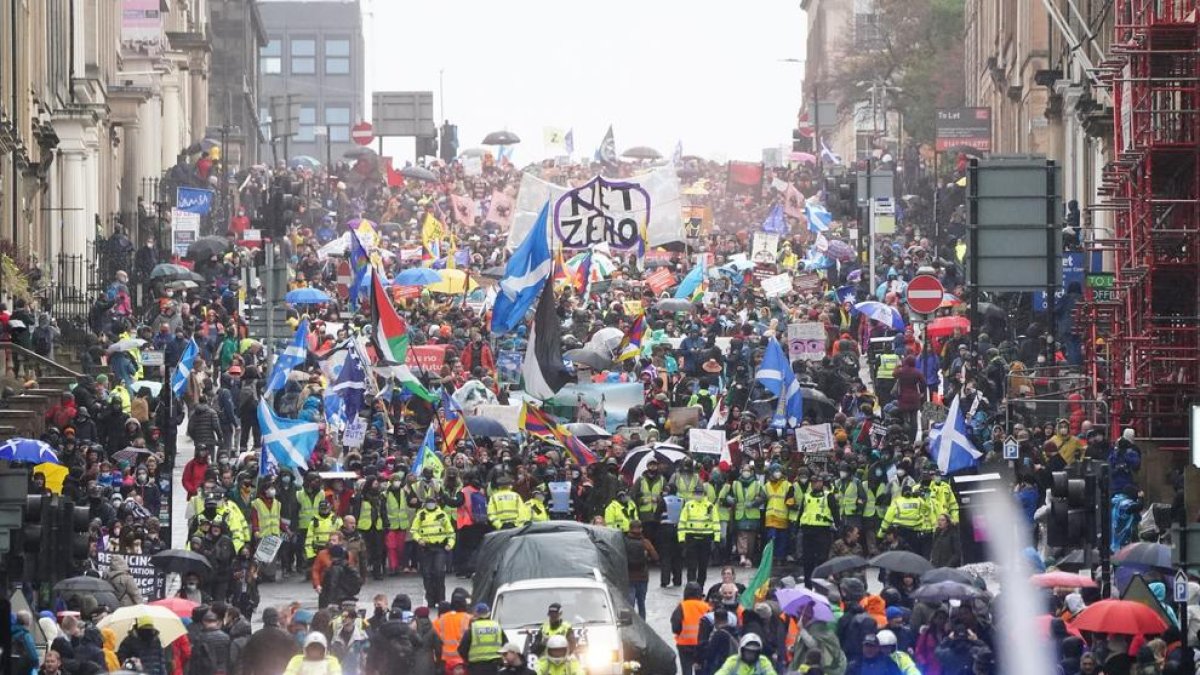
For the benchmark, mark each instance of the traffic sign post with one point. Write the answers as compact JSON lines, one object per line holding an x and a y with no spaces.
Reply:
{"x":1012,"y":449}
{"x":924,"y":294}
{"x":362,"y":133}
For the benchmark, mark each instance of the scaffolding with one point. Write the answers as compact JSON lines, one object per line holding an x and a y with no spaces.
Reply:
{"x":1143,"y":339}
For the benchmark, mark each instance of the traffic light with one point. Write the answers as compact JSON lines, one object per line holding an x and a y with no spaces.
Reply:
{"x":799,"y":143}
{"x":1070,"y":511}
{"x":76,"y":522}
{"x":449,"y":147}
{"x":427,"y":146}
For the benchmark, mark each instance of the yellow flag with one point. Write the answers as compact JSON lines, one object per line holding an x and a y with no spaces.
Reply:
{"x":432,"y":229}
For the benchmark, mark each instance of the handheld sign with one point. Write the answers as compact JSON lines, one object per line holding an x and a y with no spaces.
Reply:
{"x":602,"y":212}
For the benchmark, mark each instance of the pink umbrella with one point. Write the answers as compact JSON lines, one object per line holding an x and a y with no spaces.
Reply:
{"x":802,"y":157}
{"x":1061,"y":580}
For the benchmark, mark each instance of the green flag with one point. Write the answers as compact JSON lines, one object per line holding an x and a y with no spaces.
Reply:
{"x":761,"y":576}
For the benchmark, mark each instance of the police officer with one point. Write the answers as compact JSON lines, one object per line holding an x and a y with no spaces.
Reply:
{"x":481,"y":643}
{"x":743,"y":496}
{"x":818,"y":519}
{"x":852,"y":497}
{"x":307,"y":499}
{"x":535,"y":507}
{"x":781,"y":510}
{"x":686,"y":479}
{"x":319,"y":529}
{"x":208,"y":514}
{"x":698,"y":529}
{"x":646,"y":493}
{"x":432,"y":529}
{"x":617,"y":513}
{"x":372,"y":524}
{"x":504,"y":505}
{"x":670,"y":553}
{"x":943,"y":497}
{"x":553,"y":625}
{"x":885,"y":376}
{"x":908,"y":514}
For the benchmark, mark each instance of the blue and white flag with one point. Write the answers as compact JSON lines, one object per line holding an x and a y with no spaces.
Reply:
{"x":845,"y":294}
{"x":776,"y":222}
{"x":607,"y":152}
{"x":526,"y":273}
{"x":295,"y":354}
{"x":687,"y":287}
{"x":950,"y":445}
{"x":289,"y":441}
{"x":351,"y":385}
{"x":360,"y":263}
{"x":775,"y":373}
{"x":677,"y":156}
{"x":569,"y":142}
{"x":183,"y":371}
{"x":427,"y":456}
{"x":818,"y":217}
{"x":267,"y":466}
{"x":828,"y":155}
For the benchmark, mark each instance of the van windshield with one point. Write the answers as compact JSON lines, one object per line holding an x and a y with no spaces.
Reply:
{"x":527,"y":607}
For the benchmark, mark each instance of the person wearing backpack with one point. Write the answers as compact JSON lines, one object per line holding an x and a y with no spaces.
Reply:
{"x":335,"y":572}
{"x":471,"y":520}
{"x":45,"y":335}
{"x":639,"y":553}
{"x":210,"y":649}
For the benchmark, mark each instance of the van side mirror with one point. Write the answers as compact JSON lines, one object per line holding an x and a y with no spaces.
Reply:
{"x":625,"y":617}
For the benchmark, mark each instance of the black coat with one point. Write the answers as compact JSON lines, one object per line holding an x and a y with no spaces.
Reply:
{"x":267,"y":652}
{"x":204,"y":426}
{"x":946,"y":550}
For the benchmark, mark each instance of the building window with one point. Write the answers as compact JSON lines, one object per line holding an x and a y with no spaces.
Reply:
{"x":337,"y":118}
{"x":270,"y":58}
{"x":337,"y":56}
{"x":308,"y":121}
{"x":304,"y":56}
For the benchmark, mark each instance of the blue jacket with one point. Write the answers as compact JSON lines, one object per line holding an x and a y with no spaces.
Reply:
{"x":1027,"y":499}
{"x":1124,"y":462}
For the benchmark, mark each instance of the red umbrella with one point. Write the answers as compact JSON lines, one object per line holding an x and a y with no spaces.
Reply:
{"x":1042,"y":624}
{"x":943,"y":326}
{"x":1124,"y":617}
{"x":182,"y":607}
{"x":1061,"y":580}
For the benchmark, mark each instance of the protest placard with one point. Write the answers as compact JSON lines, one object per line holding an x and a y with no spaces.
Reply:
{"x":355,"y":433}
{"x":777,"y":285}
{"x":185,"y":229}
{"x":148,"y":579}
{"x":806,"y":341}
{"x":681,"y":419}
{"x":814,"y":438}
{"x":764,"y":247}
{"x":659,"y":280}
{"x":708,"y":441}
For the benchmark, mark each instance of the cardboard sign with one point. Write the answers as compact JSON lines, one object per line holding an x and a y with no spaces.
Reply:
{"x":410,"y":253}
{"x":777,"y":285}
{"x":806,"y":283}
{"x":764,"y":248}
{"x":144,"y":574}
{"x":752,"y":444}
{"x":268,"y":548}
{"x":660,"y":280}
{"x":708,"y":441}
{"x":185,"y":229}
{"x":633,"y":307}
{"x":814,"y":438}
{"x":152,"y":359}
{"x":806,"y":341}
{"x":657,"y":254}
{"x":427,"y":357}
{"x":472,"y":166}
{"x":355,"y":433}
{"x":681,"y":419}
{"x":602,"y":212}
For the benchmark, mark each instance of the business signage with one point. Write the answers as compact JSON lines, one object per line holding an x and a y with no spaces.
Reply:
{"x":970,"y":127}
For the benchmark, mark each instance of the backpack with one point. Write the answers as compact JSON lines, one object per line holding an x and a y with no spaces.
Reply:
{"x":635,"y":553}
{"x":202,"y":661}
{"x":247,"y":400}
{"x":346,"y":581}
{"x":479,"y":512}
{"x":43,"y":340}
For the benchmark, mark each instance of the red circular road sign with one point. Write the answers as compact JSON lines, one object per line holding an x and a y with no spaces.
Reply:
{"x":362,"y":133}
{"x":924,"y":294}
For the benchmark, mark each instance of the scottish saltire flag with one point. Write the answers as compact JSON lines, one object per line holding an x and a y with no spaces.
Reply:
{"x":526,"y":273}
{"x":267,"y":466}
{"x":505,"y":152}
{"x":289,"y":441}
{"x":775,"y":373}
{"x":828,"y":155}
{"x":776,"y":222}
{"x":183,"y":371}
{"x":818,"y":217}
{"x":692,"y":281}
{"x":351,"y":385}
{"x":427,"y":456}
{"x":569,"y":142}
{"x":949,"y":443}
{"x":607,"y":152}
{"x":295,"y":355}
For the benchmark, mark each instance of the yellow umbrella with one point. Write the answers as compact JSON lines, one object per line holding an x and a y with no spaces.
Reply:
{"x":54,"y":473}
{"x":453,"y":282}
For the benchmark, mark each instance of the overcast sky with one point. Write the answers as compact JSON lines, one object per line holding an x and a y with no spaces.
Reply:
{"x":660,"y":71}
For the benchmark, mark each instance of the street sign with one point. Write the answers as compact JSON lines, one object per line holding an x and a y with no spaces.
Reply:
{"x":1180,"y":586}
{"x":924,"y":294}
{"x":1012,"y":449}
{"x":362,"y":133}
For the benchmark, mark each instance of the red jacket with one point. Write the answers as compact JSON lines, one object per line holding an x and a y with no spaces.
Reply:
{"x":193,"y":475}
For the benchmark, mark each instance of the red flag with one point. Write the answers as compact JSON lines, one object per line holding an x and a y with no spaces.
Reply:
{"x":394,"y":179}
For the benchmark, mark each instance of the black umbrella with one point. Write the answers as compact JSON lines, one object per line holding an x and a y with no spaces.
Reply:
{"x":940,"y":574}
{"x":944,"y":591}
{"x":358,"y":153}
{"x":1146,"y":553}
{"x":486,"y":427}
{"x":904,"y":562}
{"x":642,"y":152}
{"x":418,"y":173}
{"x":815,"y":397}
{"x":657,"y":262}
{"x":842,"y":563}
{"x":181,"y":561}
{"x":83,"y":584}
{"x":501,"y":138}
{"x":169,"y":271}
{"x":206,"y":247}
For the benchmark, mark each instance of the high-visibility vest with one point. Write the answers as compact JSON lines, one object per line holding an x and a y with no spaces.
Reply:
{"x":548,"y":631}
{"x":318,"y":533}
{"x":615,"y":516}
{"x":906,"y":512}
{"x":777,"y":503}
{"x":647,"y":496}
{"x":689,"y":630}
{"x":504,"y":508}
{"x":450,"y":628}
{"x":816,"y":511}
{"x":463,"y":517}
{"x":848,"y":494}
{"x":876,"y":501}
{"x":947,"y":500}
{"x":698,"y":519}
{"x":932,"y":505}
{"x":685,"y":487}
{"x":743,"y":496}
{"x":368,"y":518}
{"x":535,"y":511}
{"x":308,"y":507}
{"x":798,"y":491}
{"x":268,"y":517}
{"x":397,"y":511}
{"x":239,"y":529}
{"x":433,"y":528}
{"x":887,"y":366}
{"x":486,"y":640}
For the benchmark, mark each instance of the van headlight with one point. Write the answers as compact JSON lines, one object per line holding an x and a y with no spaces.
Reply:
{"x":603,"y":654}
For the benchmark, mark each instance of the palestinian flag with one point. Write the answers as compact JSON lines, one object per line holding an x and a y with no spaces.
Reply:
{"x":409,"y":381}
{"x":391,"y":332}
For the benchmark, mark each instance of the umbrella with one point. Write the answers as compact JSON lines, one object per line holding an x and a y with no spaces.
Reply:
{"x":359,"y":153}
{"x":1041,"y":625}
{"x":417,"y":276}
{"x":1124,"y":617}
{"x":939,"y":574}
{"x":587,"y":432}
{"x":636,"y":460}
{"x":154,"y":387}
{"x":949,"y":300}
{"x":84,"y":585}
{"x":419,"y":173}
{"x":813,"y":396}
{"x":1145,"y":553}
{"x":169,"y":270}
{"x":181,"y":561}
{"x":496,"y":272}
{"x":170,"y":628}
{"x":1061,"y":580}
{"x":884,"y":314}
{"x":125,"y":345}
{"x":602,"y":265}
{"x":642,"y":152}
{"x":804,"y":157}
{"x":590,"y":358}
{"x":842,"y":563}
{"x":306,"y":296}
{"x":943,"y":326}
{"x":501,"y":138}
{"x":840,"y":250}
{"x":1075,"y":560}
{"x":453,"y":282}
{"x":182,"y":285}
{"x":944,"y":591}
{"x":794,"y":601}
{"x":206,"y":247}
{"x":304,"y":162}
{"x":182,"y":607}
{"x":606,"y":340}
{"x":473,"y":152}
{"x":904,"y":562}
{"x":673,"y":305}
{"x":486,"y":427}
{"x":28,"y":450}
{"x":131,"y":454}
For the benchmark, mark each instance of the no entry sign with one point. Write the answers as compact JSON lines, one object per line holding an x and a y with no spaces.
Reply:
{"x":362,"y":133}
{"x":924,"y":294}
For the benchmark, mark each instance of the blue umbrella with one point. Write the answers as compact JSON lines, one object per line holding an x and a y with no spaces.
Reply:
{"x":28,"y":450}
{"x":884,"y":314}
{"x":417,"y":276}
{"x":306,"y":296}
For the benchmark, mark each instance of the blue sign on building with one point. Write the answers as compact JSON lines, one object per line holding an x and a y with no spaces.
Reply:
{"x":1072,"y":273}
{"x":193,"y":200}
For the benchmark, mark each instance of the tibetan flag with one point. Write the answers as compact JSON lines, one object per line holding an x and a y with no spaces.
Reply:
{"x":560,"y":275}
{"x":454,"y":424}
{"x":581,"y":277}
{"x":631,"y":343}
{"x":541,"y":425}
{"x":391,"y":332}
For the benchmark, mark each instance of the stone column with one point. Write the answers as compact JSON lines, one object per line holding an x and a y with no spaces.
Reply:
{"x":91,"y":143}
{"x":150,"y":150}
{"x":171,"y":119}
{"x":131,"y":166}
{"x":199,"y":103}
{"x":75,"y":223}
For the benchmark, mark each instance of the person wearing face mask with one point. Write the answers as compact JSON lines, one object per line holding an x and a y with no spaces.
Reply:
{"x":686,"y":480}
{"x":534,"y":508}
{"x":307,"y":501}
{"x":399,"y":515}
{"x":749,"y":660}
{"x":265,"y":513}
{"x":670,"y":555}
{"x":191,"y":589}
{"x":852,"y":496}
{"x":372,"y":524}
{"x":744,"y":496}
{"x":617,"y":513}
{"x":781,"y":504}
{"x":646,"y":493}
{"x":906,"y":515}
{"x":1069,"y":447}
{"x":818,"y":520}
{"x":324,"y":524}
{"x":433,"y":530}
{"x":699,"y":527}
